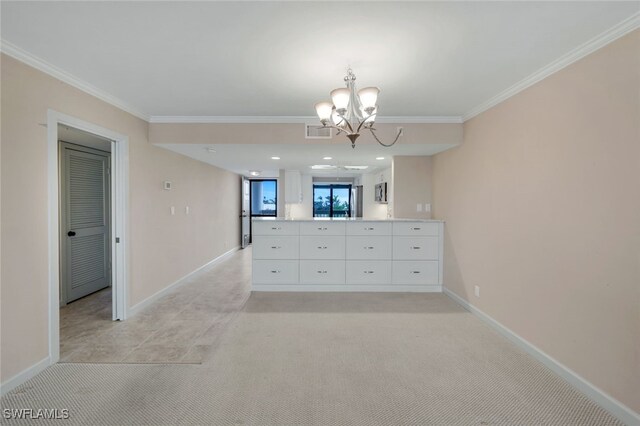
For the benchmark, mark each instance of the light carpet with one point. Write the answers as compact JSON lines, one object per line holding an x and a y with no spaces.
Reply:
{"x":327,"y":359}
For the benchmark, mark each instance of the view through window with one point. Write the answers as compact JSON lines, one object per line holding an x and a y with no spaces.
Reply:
{"x":331,"y":200}
{"x":263,"y":196}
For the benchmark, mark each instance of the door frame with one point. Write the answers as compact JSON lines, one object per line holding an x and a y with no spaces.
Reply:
{"x":119,"y":220}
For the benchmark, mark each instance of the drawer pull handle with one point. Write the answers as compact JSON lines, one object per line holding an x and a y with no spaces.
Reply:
{"x":276,"y":228}
{"x":276,"y":247}
{"x":415,"y":229}
{"x":368,"y":272}
{"x":368,"y":229}
{"x":322,"y":272}
{"x":415,"y":272}
{"x":322,"y":229}
{"x":322,"y":247}
{"x":368,"y":248}
{"x":415,"y":248}
{"x":275,"y":272}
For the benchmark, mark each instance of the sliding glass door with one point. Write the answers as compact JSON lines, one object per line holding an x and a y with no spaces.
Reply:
{"x":331,"y":200}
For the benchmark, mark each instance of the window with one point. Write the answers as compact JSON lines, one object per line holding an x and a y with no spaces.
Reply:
{"x":331,"y":200}
{"x":264,"y":196}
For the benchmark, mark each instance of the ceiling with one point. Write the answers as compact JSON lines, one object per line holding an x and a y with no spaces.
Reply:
{"x":279,"y":58}
{"x":242,"y":158}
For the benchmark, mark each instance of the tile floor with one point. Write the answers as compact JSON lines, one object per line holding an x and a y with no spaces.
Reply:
{"x":181,"y":327}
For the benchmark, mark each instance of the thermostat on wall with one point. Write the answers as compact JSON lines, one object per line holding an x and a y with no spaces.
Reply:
{"x":167,"y":185}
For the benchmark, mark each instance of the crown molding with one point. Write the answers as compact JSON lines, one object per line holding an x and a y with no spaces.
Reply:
{"x":179,"y":119}
{"x":21,"y":55}
{"x":612,"y":34}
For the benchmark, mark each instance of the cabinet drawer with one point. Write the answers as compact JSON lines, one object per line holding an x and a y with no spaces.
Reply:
{"x":322,"y":271}
{"x":265,"y":247}
{"x":368,"y":272}
{"x":275,"y":271}
{"x":368,"y":248}
{"x":415,"y":248}
{"x":368,"y":228}
{"x":322,"y":228}
{"x":260,"y":227}
{"x":312,"y":247}
{"x":416,"y":228}
{"x":410,"y":272}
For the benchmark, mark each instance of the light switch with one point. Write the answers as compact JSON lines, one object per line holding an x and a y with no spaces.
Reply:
{"x":173,"y":210}
{"x":419,"y":207}
{"x":186,"y":210}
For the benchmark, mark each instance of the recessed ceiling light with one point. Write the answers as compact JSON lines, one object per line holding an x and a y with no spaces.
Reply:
{"x":356,"y":167}
{"x":379,"y":158}
{"x":327,"y":158}
{"x":275,"y":158}
{"x":254,"y":173}
{"x":323,"y":167}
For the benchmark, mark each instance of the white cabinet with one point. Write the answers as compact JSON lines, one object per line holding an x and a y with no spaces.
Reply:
{"x":347,"y":255}
{"x":416,"y":228}
{"x":409,"y":272}
{"x":275,"y":272}
{"x":368,"y":272}
{"x":321,"y":247}
{"x":322,"y":228}
{"x":369,"y":228}
{"x":268,"y":247}
{"x":272,"y":227}
{"x":368,"y":248}
{"x":416,"y":248}
{"x":322,"y":272}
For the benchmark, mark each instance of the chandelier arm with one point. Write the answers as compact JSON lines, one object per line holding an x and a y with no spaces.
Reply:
{"x":364,"y":121}
{"x":384,"y":144}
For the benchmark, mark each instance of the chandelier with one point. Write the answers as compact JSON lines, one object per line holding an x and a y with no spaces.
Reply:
{"x":351,"y":111}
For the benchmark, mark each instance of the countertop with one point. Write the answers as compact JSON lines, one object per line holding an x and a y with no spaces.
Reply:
{"x":342,"y":219}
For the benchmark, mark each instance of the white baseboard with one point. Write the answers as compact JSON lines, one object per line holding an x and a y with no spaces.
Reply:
{"x":348,"y":288}
{"x":615,"y":407}
{"x":149,"y":300}
{"x":24,"y":375}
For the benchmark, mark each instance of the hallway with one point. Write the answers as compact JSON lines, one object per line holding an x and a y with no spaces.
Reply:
{"x":181,"y":327}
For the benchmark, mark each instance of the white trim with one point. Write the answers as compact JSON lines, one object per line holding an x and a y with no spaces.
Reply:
{"x":44,"y":66}
{"x":120,"y":184}
{"x":612,"y":34}
{"x":615,"y":407}
{"x":24,"y":375}
{"x":154,"y":297}
{"x":388,"y":288}
{"x":289,"y":119}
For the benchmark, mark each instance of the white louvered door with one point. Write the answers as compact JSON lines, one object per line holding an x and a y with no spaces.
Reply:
{"x":85,"y":213}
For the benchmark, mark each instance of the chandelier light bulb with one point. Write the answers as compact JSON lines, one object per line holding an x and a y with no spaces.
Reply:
{"x":368,"y":97}
{"x":324,"y":110}
{"x":340,"y":98}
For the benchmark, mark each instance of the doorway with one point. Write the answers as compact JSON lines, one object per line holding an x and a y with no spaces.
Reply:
{"x":331,"y":200}
{"x":263,"y":198}
{"x":85,"y":214}
{"x":94,"y":232}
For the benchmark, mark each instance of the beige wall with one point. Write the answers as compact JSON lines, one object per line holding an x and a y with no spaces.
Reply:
{"x":214,"y":133}
{"x":542,"y":210}
{"x":163,"y":247}
{"x":411,"y":186}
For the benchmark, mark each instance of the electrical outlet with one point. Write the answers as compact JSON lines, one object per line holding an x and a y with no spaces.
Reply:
{"x":186,"y":210}
{"x":476,"y":290}
{"x":427,"y":207}
{"x":419,"y":207}
{"x":173,"y":210}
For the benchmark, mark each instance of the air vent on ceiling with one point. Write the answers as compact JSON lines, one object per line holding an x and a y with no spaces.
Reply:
{"x":314,"y":131}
